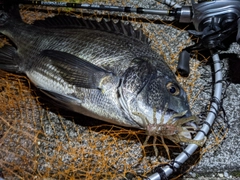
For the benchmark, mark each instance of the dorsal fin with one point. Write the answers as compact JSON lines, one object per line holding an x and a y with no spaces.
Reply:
{"x":62,"y":21}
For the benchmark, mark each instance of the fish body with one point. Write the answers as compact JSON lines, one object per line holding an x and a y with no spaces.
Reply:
{"x":104,"y":70}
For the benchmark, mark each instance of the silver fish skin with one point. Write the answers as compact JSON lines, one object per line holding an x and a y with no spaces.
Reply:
{"x":104,"y":70}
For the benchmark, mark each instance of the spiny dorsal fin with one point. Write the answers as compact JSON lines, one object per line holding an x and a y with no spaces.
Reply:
{"x":109,"y":26}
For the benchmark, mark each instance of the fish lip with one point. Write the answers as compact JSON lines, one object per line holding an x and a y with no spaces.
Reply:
{"x":173,"y":112}
{"x":189,"y":124}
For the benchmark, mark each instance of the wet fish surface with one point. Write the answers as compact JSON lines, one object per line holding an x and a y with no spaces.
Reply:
{"x":104,"y":70}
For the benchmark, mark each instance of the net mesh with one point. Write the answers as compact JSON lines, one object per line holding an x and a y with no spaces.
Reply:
{"x":38,"y":141}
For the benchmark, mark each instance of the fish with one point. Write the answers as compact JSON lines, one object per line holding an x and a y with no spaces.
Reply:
{"x":102,"y":69}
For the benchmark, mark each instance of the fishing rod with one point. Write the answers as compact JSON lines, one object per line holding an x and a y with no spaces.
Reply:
{"x":138,"y":10}
{"x":102,"y":7}
{"x":214,"y":22}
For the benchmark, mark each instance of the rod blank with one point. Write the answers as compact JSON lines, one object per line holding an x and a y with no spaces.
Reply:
{"x":138,"y":10}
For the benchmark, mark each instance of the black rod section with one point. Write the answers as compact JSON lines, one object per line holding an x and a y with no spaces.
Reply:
{"x":100,"y":7}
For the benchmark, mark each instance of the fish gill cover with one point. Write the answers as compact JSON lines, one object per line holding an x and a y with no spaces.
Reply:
{"x":39,"y":140}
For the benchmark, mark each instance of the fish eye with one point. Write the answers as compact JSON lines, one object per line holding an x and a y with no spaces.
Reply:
{"x":173,"y":89}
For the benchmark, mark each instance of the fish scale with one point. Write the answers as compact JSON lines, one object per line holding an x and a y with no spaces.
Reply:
{"x":104,"y":70}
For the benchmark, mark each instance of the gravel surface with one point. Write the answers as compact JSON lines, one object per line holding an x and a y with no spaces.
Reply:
{"x":220,"y":159}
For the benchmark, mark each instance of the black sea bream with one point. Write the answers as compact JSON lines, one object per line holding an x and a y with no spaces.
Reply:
{"x":104,"y":70}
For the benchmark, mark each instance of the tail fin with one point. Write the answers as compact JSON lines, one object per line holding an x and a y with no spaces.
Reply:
{"x":9,"y":10}
{"x":12,"y":7}
{"x":6,"y":5}
{"x":9,"y":59}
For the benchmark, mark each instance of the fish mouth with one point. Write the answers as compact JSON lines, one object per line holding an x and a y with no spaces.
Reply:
{"x":178,"y":127}
{"x":180,"y":114}
{"x":185,"y":112}
{"x":184,"y":125}
{"x":190,"y":125}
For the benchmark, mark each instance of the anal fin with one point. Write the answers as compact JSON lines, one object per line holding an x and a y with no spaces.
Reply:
{"x":63,"y":101}
{"x":60,"y":97}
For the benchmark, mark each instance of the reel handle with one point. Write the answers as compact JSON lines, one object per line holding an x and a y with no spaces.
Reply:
{"x":183,"y":64}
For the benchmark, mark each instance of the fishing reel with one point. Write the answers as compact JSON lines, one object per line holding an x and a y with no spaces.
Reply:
{"x":214,"y":21}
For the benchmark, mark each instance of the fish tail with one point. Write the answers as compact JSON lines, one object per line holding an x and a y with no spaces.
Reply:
{"x":9,"y":10}
{"x":9,"y":59}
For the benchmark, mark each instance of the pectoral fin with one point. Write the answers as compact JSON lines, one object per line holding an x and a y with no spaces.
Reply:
{"x":77,"y":71}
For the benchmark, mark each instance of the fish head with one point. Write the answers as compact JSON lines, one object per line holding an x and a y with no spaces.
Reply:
{"x":153,"y":93}
{"x":163,"y":95}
